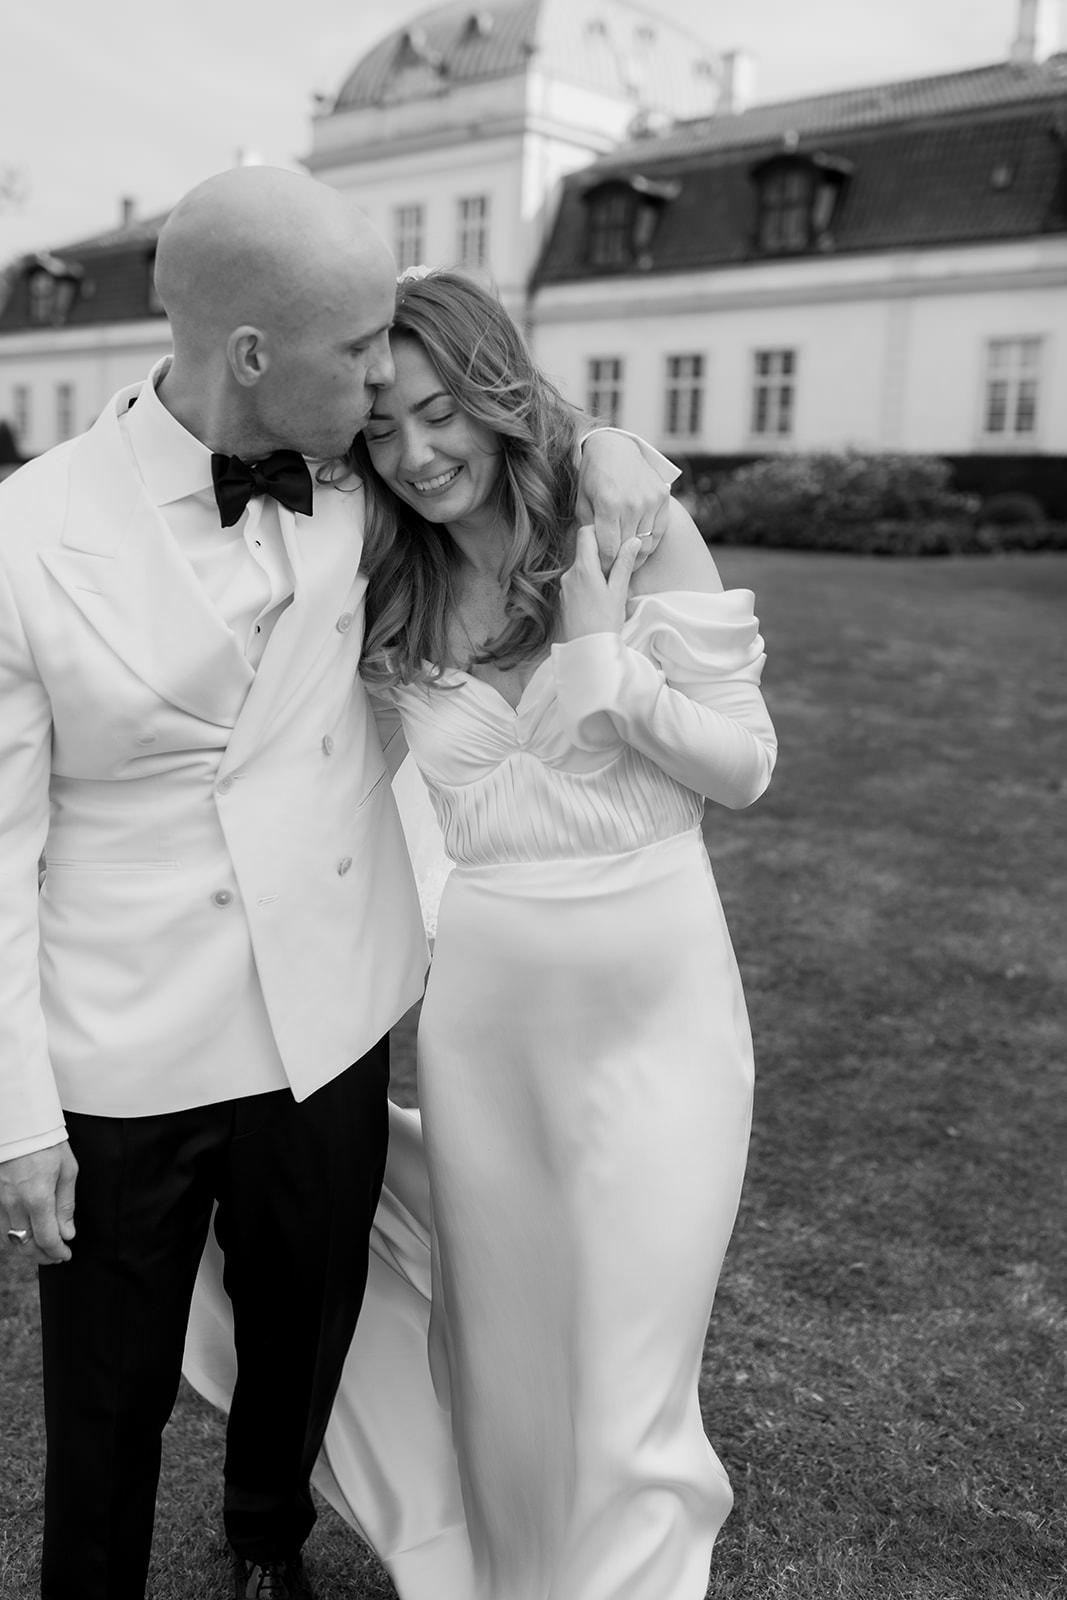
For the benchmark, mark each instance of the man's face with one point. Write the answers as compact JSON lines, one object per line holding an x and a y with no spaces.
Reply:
{"x":324,"y":370}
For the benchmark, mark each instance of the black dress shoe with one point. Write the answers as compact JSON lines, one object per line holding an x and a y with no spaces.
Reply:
{"x":272,"y":1579}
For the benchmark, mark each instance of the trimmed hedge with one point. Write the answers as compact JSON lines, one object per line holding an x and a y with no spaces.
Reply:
{"x":874,"y":504}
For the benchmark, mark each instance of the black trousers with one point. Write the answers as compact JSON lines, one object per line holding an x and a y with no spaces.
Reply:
{"x":296,"y":1187}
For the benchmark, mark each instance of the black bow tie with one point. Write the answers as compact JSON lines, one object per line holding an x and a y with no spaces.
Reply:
{"x":283,"y":474}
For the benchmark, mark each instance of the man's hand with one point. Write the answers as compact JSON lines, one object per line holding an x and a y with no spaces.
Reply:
{"x":591,"y":602}
{"x":37,"y":1197}
{"x":621,"y":495}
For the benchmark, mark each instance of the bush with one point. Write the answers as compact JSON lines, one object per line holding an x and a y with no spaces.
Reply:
{"x":987,"y":474}
{"x":870,"y":504}
{"x":835,"y":501}
{"x":1010,"y":509}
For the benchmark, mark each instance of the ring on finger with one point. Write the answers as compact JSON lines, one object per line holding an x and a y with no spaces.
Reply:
{"x":18,"y":1235}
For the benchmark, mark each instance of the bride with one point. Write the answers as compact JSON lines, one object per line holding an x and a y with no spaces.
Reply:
{"x":585,"y":1062}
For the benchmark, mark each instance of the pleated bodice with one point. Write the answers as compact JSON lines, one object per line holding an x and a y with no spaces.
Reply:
{"x":510,"y":784}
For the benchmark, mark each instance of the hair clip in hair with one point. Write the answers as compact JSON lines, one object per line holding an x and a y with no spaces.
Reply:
{"x":413,"y":274}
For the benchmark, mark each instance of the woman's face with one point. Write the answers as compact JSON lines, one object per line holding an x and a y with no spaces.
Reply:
{"x":431,"y":454}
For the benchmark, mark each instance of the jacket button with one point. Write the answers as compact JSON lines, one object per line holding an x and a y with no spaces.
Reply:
{"x":344,"y":865}
{"x":222,"y":897}
{"x":224,"y":786}
{"x":327,"y":745}
{"x":344,"y":622}
{"x":146,"y":738}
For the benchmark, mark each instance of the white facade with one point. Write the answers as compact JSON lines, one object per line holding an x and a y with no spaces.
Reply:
{"x":451,"y":173}
{"x":511,"y":139}
{"x":60,"y":379}
{"x":945,"y":349}
{"x":397,"y":174}
{"x":890,"y":351}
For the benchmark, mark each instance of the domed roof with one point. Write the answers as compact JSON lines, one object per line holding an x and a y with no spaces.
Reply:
{"x":610,"y":45}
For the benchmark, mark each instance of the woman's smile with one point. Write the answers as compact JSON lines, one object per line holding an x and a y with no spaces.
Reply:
{"x":428,"y":450}
{"x":434,"y":485}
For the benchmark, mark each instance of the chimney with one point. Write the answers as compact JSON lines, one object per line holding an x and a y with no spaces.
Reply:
{"x":1036,"y":34}
{"x":129,"y":210}
{"x":735,"y":83}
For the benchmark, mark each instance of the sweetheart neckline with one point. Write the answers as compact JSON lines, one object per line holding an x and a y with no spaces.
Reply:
{"x":469,"y":677}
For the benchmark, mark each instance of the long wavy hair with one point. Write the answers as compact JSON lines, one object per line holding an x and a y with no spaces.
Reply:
{"x":482,"y":361}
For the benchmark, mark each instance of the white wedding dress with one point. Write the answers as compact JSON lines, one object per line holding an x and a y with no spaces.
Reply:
{"x":585,"y":1076}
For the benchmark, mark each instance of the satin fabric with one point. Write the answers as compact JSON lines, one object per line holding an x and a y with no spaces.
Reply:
{"x":519,"y":1419}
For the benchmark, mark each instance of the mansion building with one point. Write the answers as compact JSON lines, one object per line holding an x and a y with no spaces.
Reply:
{"x":882,"y":268}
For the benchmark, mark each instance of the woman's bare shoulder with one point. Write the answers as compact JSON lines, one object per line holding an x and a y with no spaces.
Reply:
{"x":681,"y":560}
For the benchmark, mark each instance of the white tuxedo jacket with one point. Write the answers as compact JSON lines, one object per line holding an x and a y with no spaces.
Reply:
{"x":202,"y":824}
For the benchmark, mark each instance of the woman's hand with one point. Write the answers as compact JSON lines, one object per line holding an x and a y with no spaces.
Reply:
{"x":621,"y":494}
{"x":592,"y":602}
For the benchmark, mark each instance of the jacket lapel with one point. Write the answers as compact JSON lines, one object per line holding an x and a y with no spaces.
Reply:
{"x":324,"y":552}
{"x":121,"y":567}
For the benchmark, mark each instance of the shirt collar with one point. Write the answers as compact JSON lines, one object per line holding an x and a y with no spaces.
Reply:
{"x":172,"y":461}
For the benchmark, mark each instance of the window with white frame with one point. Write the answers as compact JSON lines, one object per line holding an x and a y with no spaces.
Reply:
{"x":774,"y":393}
{"x":1012,"y":380}
{"x":64,"y":410}
{"x":472,"y":230}
{"x":604,"y":388}
{"x":409,"y":235}
{"x":20,"y":405}
{"x":684,"y":396}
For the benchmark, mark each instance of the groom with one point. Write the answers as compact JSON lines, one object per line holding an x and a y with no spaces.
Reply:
{"x":194,"y":1010}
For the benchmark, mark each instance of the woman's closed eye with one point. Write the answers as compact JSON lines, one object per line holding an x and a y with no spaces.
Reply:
{"x":379,"y":433}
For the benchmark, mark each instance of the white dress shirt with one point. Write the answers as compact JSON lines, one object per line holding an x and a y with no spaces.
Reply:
{"x":244,"y":569}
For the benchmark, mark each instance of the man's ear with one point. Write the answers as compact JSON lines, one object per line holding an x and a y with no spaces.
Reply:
{"x":246,"y":351}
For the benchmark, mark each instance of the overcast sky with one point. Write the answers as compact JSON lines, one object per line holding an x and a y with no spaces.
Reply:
{"x":105,"y":98}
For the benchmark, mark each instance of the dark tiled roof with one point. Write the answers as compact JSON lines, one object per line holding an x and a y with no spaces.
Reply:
{"x":981,"y":88}
{"x":144,"y":230}
{"x":978,"y":176}
{"x":113,"y":271}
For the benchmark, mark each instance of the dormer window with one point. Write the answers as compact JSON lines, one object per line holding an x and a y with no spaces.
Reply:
{"x":785,"y":210}
{"x":416,"y":50}
{"x":798,"y":197}
{"x":42,"y":287}
{"x":52,"y":286}
{"x":610,"y":228}
{"x":479,"y":25}
{"x":623,"y":214}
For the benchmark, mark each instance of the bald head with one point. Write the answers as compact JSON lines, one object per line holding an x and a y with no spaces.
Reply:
{"x":256,"y":245}
{"x":259,"y":268}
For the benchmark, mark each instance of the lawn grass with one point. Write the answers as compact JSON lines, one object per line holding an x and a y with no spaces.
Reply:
{"x":884,"y":1378}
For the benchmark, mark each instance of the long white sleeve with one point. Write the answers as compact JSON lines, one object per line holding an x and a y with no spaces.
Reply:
{"x":30,"y":1114}
{"x":681,"y":685}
